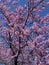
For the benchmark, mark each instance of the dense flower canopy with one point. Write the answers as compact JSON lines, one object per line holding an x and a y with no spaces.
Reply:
{"x":24,"y":34}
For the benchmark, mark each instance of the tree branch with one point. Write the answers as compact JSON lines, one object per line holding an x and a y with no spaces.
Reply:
{"x":31,"y":11}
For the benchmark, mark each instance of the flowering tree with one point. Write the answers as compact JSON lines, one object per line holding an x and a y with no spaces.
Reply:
{"x":21,"y":44}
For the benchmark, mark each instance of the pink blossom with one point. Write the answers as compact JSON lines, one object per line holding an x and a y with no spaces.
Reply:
{"x":25,"y":38}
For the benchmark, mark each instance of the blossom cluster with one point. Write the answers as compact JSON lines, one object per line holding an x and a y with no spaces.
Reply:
{"x":24,"y":34}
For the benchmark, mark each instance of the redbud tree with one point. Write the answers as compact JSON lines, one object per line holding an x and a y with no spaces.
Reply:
{"x":24,"y":35}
